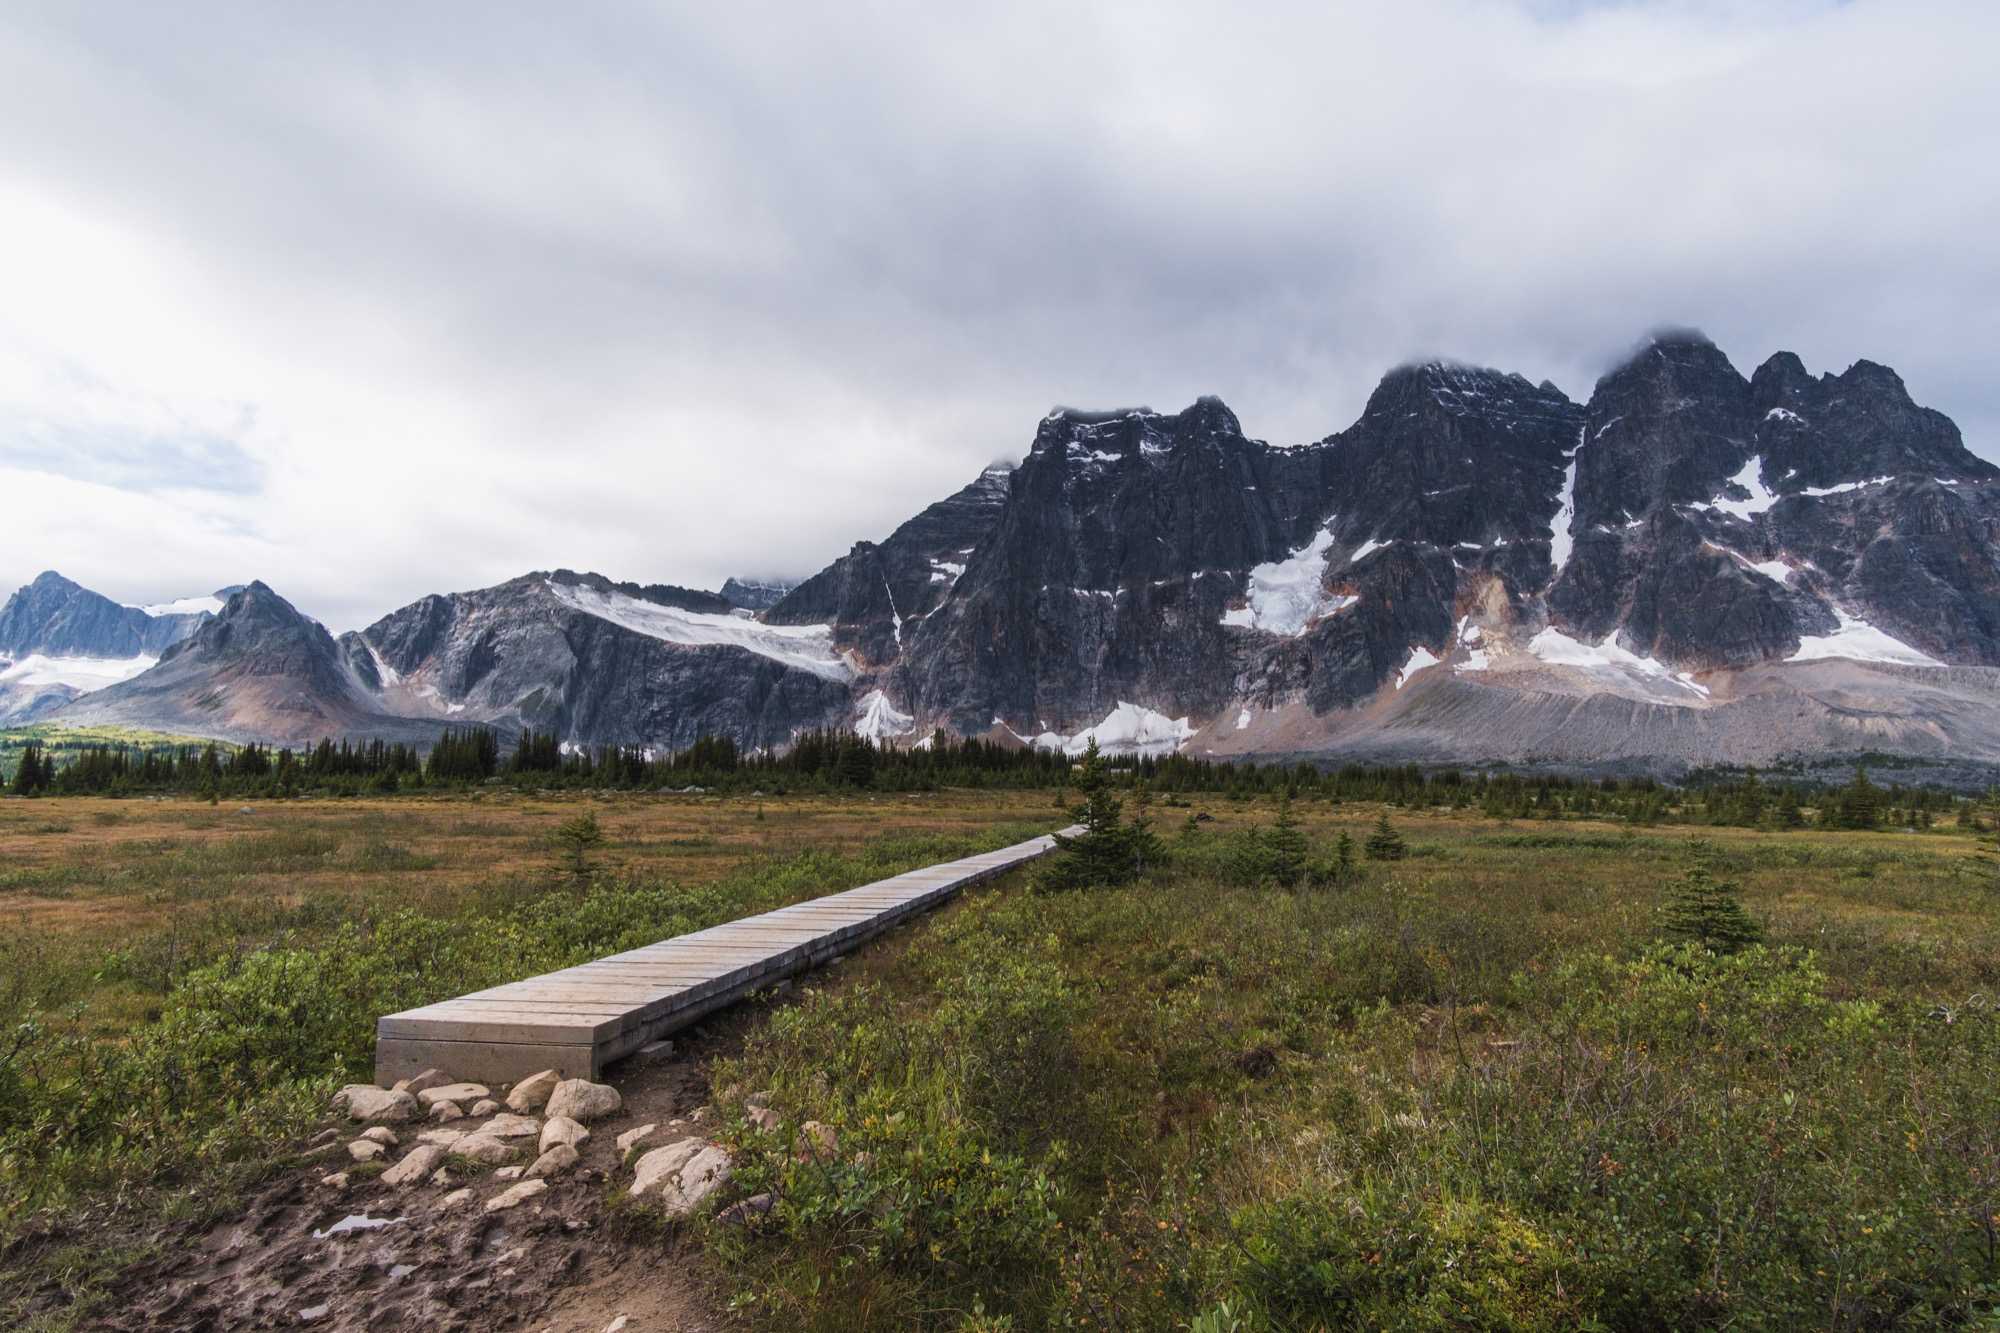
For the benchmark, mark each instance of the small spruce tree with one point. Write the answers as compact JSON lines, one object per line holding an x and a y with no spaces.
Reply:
{"x":1704,"y":910}
{"x":574,"y":838}
{"x":1343,"y":858}
{"x":1384,"y":844}
{"x":1103,"y":853}
{"x":1285,"y":847}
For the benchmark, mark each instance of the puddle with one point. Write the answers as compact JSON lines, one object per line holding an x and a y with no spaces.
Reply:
{"x":357,"y":1222}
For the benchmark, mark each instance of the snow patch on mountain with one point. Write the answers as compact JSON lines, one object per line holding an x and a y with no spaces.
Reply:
{"x":806,"y":647}
{"x":1127,"y":729}
{"x":879,"y":719}
{"x":1844,"y":487}
{"x":1559,"y":649}
{"x":1474,"y":640}
{"x":1562,"y":542}
{"x":83,"y":674}
{"x":1859,"y":641}
{"x":1751,"y":479}
{"x":1420,"y":658}
{"x":186,"y":606}
{"x":1285,"y":596}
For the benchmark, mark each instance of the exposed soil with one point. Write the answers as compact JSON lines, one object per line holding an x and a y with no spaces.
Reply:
{"x":565,"y":1261}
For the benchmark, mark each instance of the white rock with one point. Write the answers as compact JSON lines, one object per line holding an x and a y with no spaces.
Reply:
{"x":381,"y":1134}
{"x":442,"y":1137}
{"x":446,"y":1111}
{"x":532,"y":1092}
{"x":511,"y":1127}
{"x":681,"y":1175}
{"x":485,"y":1148}
{"x":443,"y":1178}
{"x":456,"y":1198}
{"x":365,"y":1101}
{"x":562,"y":1129}
{"x":462,"y":1093}
{"x":485,"y":1106}
{"x":509,"y":1173}
{"x":554,"y":1162}
{"x":419,"y":1162}
{"x":365,"y":1150}
{"x":336,"y":1180}
{"x":580,"y":1099}
{"x":423,"y":1082}
{"x":618,"y":1325}
{"x":764,"y":1118}
{"x":635,"y":1138}
{"x":516,"y":1196}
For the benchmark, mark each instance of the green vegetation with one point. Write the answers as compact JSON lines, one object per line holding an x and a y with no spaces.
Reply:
{"x":1552,"y":1073}
{"x":240,"y":1047}
{"x":1474,"y":1089}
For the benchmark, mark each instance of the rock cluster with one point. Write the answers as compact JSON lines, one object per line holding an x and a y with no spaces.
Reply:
{"x":526,"y":1152}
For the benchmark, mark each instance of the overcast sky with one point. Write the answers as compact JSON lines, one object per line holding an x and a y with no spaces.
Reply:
{"x":370,"y":301}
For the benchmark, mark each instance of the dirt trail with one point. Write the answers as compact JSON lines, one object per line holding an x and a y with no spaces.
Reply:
{"x":561,"y":1262}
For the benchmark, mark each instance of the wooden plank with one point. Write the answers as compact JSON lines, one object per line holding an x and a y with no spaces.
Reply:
{"x":578,"y":1019}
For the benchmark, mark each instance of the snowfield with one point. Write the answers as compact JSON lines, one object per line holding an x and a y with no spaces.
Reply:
{"x":186,"y":606}
{"x":1559,"y":649}
{"x":879,"y":720}
{"x":1859,"y":641}
{"x":79,"y":673}
{"x":1562,"y":542}
{"x":805,"y":647}
{"x":1751,"y":479}
{"x":1127,"y":729}
{"x":1420,"y":658}
{"x":1285,"y":596}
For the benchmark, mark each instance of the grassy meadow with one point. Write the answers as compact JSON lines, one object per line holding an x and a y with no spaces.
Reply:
{"x":1466,"y":1088}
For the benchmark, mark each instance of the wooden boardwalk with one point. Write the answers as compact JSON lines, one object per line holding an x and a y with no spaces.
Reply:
{"x":580,"y":1019}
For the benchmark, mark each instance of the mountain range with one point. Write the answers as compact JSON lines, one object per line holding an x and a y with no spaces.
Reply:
{"x":1692,"y":567}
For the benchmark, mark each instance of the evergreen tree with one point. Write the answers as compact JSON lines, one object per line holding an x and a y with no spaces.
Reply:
{"x":1704,"y":910}
{"x":1384,"y":844}
{"x":1343,"y":858}
{"x":1858,"y":805}
{"x":29,"y":778}
{"x":1103,"y":853}
{"x":1285,"y":846}
{"x":575,"y":837}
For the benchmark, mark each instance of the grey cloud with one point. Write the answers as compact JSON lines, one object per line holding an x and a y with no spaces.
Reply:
{"x":676,"y":291}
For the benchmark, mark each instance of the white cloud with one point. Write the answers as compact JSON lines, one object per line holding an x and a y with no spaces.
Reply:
{"x":674,"y":293}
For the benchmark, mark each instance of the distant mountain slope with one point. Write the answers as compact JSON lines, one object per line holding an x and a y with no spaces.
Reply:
{"x":59,"y":640}
{"x":58,"y":618}
{"x":259,"y":671}
{"x":1691,"y":567}
{"x":601,"y":662}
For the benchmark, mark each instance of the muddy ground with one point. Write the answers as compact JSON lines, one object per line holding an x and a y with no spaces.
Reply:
{"x":568,"y":1261}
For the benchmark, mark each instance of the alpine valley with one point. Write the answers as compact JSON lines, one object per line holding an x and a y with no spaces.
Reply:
{"x":1692,"y":568}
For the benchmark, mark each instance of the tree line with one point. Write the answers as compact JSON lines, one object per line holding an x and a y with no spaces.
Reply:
{"x":833,"y":759}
